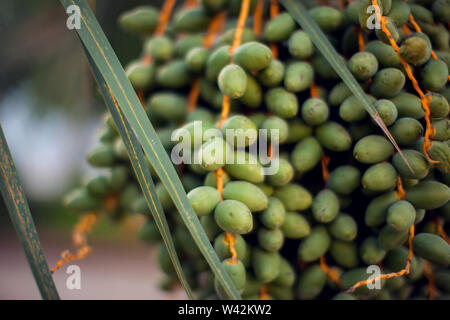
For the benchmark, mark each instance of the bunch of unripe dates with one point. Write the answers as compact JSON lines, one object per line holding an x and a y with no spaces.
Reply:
{"x":342,"y":203}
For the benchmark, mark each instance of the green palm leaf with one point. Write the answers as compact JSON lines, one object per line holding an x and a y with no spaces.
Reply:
{"x":112,"y":72}
{"x":20,"y":215}
{"x":300,"y":14}
{"x":141,"y":169}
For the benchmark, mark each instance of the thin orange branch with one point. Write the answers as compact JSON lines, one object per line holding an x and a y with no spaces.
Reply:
{"x":263,"y":293}
{"x":425,"y":103}
{"x":164,"y":16}
{"x":79,"y":239}
{"x":324,"y":162}
{"x":400,"y":273}
{"x":330,"y":272}
{"x":230,"y":240}
{"x":428,"y":273}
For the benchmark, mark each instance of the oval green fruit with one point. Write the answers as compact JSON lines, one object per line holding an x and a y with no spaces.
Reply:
{"x":442,"y":129}
{"x":184,"y":44}
{"x":102,"y":156}
{"x":306,"y":154}
{"x":247,"y":193}
{"x":161,"y":48}
{"x":279,"y":125}
{"x":286,"y":277}
{"x":363,"y":65}
{"x":196,"y":59}
{"x":274,"y":216}
{"x":81,"y":200}
{"x":213,"y":153}
{"x":98,"y":185}
{"x":315,"y":111}
{"x":234,"y":216}
{"x":141,"y":20}
{"x":295,"y":226}
{"x":338,"y":94}
{"x":232,"y":81}
{"x":387,"y":83}
{"x":173,"y":75}
{"x":352,"y":110}
{"x":344,"y":179}
{"x":401,"y":216}
{"x":294,"y":197}
{"x":325,"y":206}
{"x":140,"y":75}
{"x":118,"y":176}
{"x":344,"y":227}
{"x":210,"y":226}
{"x":327,"y":18}
{"x":315,"y":245}
{"x":399,"y":12}
{"x":298,"y":76}
{"x":377,"y":209}
{"x":371,"y":252}
{"x":344,"y":253}
{"x":372,"y":149}
{"x":392,"y":27}
{"x":408,"y":105}
{"x":417,"y":161}
{"x":270,"y":239}
{"x":432,"y":248}
{"x":440,"y":151}
{"x":385,"y":54}
{"x":252,"y":96}
{"x":300,"y":45}
{"x":406,"y":131}
{"x":334,"y":137}
{"x":281,"y":102}
{"x":297,"y":131}
{"x":390,"y":239}
{"x":245,"y":167}
{"x":279,"y":28}
{"x":395,"y":261}
{"x":266,"y":265}
{"x":191,"y":20}
{"x":217,"y":60}
{"x":438,"y":104}
{"x":284,"y":174}
{"x":168,"y":105}
{"x":380,"y":177}
{"x":204,"y":199}
{"x":428,"y":195}
{"x":416,"y":50}
{"x":239,"y":131}
{"x":273,"y":74}
{"x":236,"y":270}
{"x":252,"y":56}
{"x":434,"y":75}
{"x":311,"y":282}
{"x":387,"y":111}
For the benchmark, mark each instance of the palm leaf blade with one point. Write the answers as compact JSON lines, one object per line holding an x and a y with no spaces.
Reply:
{"x":301,"y":15}
{"x":111,"y":70}
{"x":141,"y":169}
{"x":19,"y":212}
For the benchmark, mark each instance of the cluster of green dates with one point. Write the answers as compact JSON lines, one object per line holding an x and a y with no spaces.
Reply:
{"x":282,"y":224}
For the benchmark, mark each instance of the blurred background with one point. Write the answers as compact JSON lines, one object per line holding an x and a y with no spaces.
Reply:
{"x":50,"y":112}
